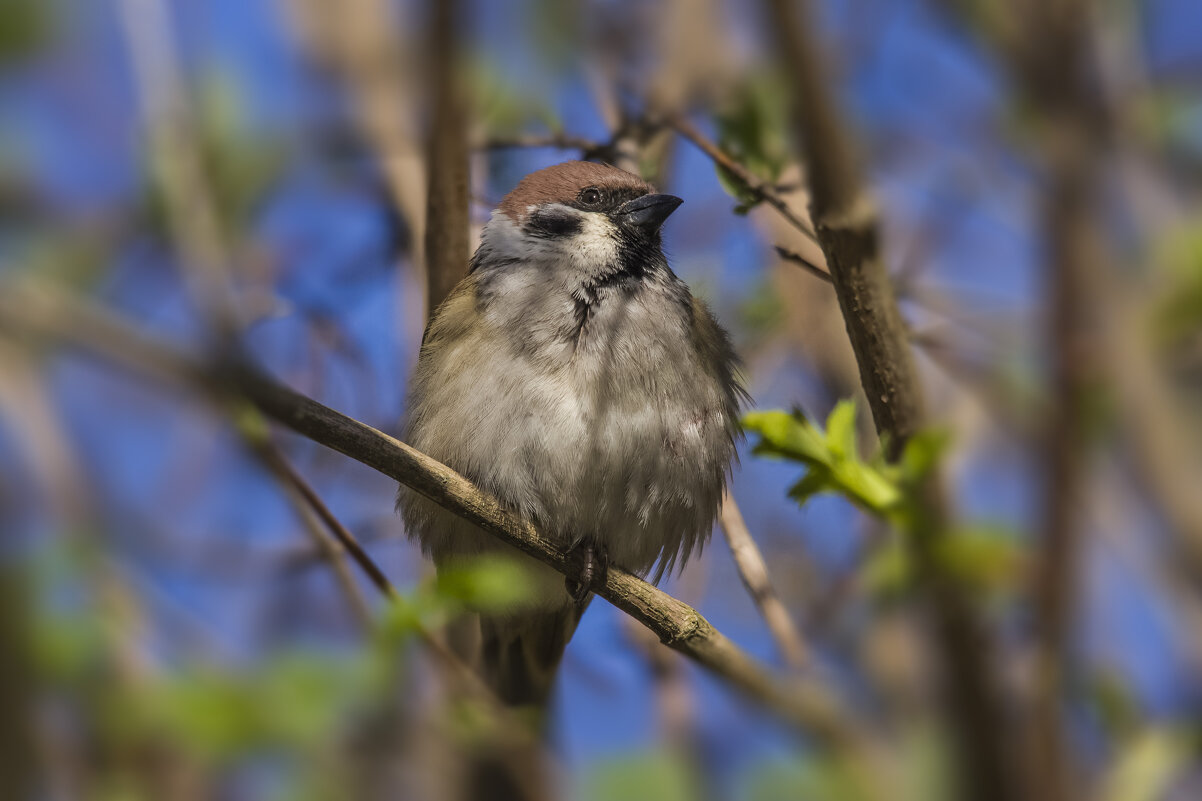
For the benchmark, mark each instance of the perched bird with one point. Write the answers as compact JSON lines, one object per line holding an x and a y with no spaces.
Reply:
{"x":573,"y":376}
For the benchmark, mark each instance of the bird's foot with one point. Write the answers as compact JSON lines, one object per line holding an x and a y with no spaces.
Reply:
{"x":593,"y":563}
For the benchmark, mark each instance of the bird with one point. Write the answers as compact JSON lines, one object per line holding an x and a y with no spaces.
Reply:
{"x":573,"y":376}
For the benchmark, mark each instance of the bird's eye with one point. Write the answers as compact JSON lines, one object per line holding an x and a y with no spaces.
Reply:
{"x":590,"y":196}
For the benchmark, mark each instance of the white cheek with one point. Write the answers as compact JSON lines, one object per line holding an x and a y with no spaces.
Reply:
{"x":595,"y":245}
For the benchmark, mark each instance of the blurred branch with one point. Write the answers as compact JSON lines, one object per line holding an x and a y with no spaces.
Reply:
{"x":176,"y":157}
{"x":559,"y":141}
{"x":359,"y":41}
{"x":846,"y":223}
{"x":753,"y":571}
{"x":1154,"y":424}
{"x":310,"y":506}
{"x":1052,"y":66}
{"x":43,"y":313}
{"x":446,"y":240}
{"x":762,"y":190}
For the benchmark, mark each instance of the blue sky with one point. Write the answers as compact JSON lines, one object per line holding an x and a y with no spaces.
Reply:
{"x":72,"y":126}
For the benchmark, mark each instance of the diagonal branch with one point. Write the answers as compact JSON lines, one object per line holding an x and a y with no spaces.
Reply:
{"x":279,"y":466}
{"x":315,"y":514}
{"x":762,"y":190}
{"x":26,"y":311}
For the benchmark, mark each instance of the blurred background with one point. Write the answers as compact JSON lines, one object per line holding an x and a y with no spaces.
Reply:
{"x":174,"y":620}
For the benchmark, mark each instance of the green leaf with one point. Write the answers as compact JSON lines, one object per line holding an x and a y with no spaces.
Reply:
{"x":832,"y":457}
{"x":404,"y":616}
{"x":734,"y":186}
{"x":753,"y":129}
{"x":810,"y":485}
{"x":868,"y":486}
{"x":841,"y":429}
{"x":786,"y":435}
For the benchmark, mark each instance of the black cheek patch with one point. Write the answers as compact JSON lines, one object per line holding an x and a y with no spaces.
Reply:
{"x":553,"y":222}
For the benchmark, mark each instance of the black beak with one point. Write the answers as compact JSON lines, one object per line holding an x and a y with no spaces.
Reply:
{"x":647,"y":213}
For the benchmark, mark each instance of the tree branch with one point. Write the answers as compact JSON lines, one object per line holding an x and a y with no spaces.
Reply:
{"x":25,"y":311}
{"x":446,"y":244}
{"x":846,"y":224}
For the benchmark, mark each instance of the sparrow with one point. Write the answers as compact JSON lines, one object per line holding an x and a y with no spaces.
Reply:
{"x":572,"y":375}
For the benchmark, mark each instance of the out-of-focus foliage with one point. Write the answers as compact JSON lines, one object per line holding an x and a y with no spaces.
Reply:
{"x":240,"y":166}
{"x":187,"y":638}
{"x":652,"y":776}
{"x":1178,"y":320}
{"x":1148,"y":764}
{"x":752,"y":129}
{"x":25,"y":28}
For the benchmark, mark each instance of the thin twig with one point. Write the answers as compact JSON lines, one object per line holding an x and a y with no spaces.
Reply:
{"x":280,"y":466}
{"x":762,"y":190}
{"x":754,"y":572}
{"x":315,"y":514}
{"x":804,"y":263}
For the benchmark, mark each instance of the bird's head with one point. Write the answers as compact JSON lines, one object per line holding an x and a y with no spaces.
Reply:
{"x":586,"y":219}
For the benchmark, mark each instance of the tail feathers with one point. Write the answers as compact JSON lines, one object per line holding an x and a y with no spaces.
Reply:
{"x":519,"y":657}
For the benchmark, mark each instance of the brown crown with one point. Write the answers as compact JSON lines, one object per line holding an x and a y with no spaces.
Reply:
{"x":563,"y":182}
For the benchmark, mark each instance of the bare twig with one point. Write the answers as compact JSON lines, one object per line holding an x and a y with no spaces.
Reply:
{"x":804,"y":263}
{"x":280,"y":466}
{"x":762,"y":190}
{"x":27,"y":311}
{"x":846,"y":223}
{"x":753,"y":571}
{"x":315,"y":514}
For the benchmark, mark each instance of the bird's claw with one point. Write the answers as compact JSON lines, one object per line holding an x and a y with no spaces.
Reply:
{"x":594,"y":563}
